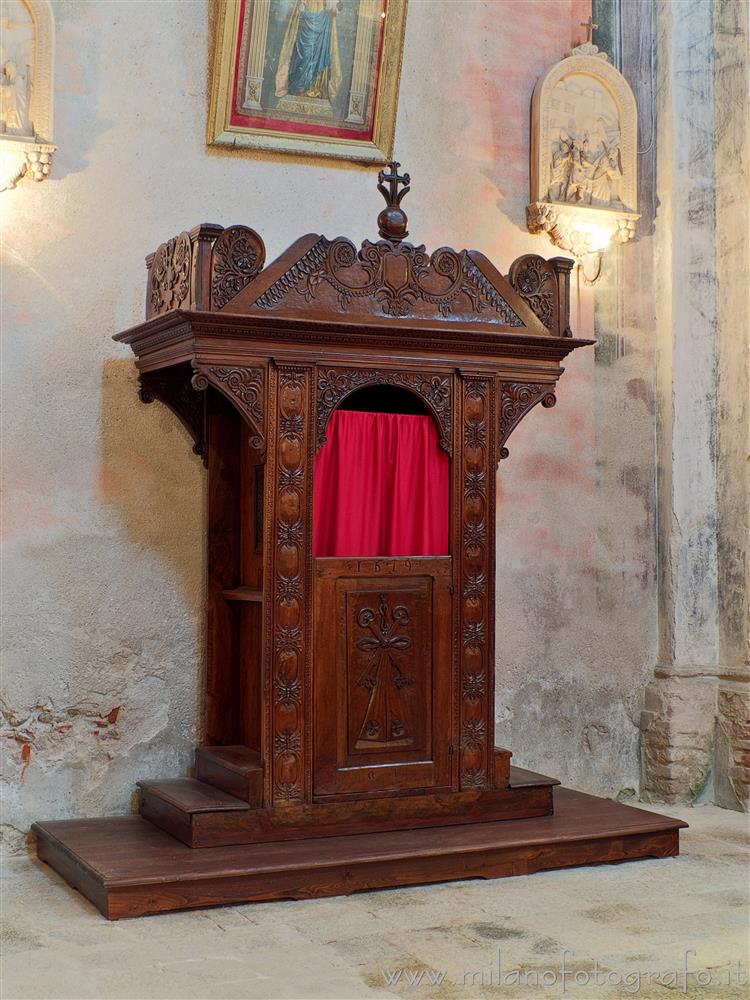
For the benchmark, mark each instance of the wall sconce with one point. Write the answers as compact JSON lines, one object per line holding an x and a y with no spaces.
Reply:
{"x":26,"y":90}
{"x":584,"y":177}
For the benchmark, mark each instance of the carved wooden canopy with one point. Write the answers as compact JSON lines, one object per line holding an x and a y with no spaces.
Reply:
{"x":385,"y":312}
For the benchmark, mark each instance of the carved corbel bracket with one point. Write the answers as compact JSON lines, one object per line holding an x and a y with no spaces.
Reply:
{"x":516,"y":400}
{"x":245,"y":388}
{"x":178,"y":394}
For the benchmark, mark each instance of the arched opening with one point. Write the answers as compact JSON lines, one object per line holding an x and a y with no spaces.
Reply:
{"x":381,"y":479}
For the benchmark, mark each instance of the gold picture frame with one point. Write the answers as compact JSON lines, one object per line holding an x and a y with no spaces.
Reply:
{"x":268,"y":90}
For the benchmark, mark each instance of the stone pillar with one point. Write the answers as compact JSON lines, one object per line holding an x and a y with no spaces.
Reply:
{"x":732,"y":92}
{"x":694,"y":724}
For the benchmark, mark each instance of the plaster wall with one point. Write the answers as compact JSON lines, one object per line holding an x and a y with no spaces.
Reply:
{"x":103,"y":559}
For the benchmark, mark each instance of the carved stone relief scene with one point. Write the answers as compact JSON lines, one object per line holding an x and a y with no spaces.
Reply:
{"x":585,"y":159}
{"x":16,"y":67}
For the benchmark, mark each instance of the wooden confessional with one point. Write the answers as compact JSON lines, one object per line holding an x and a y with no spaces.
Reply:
{"x":349,"y":701}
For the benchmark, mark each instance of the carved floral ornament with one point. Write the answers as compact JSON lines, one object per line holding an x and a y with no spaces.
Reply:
{"x":583,"y":154}
{"x":27,"y":35}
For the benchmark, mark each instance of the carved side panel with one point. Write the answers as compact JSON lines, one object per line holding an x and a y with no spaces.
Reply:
{"x":291,"y":544}
{"x":335,"y":384}
{"x":535,"y":280}
{"x":245,"y":388}
{"x":177,"y":393}
{"x":476,"y":645}
{"x":237,"y":256}
{"x":516,"y":399}
{"x":388,"y":666}
{"x":169,"y":275}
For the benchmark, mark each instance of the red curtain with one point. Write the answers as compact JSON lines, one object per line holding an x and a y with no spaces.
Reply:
{"x":381,"y":487}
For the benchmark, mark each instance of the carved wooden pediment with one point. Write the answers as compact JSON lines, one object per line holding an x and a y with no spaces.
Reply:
{"x":390,"y":279}
{"x":387,"y":282}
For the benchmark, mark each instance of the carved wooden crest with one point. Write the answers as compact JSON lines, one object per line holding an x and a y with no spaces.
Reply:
{"x":583,"y":154}
{"x":389,"y":278}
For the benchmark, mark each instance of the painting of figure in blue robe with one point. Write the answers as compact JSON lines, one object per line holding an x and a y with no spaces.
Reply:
{"x":310,"y":61}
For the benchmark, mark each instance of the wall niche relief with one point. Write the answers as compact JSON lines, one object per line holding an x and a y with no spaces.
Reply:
{"x":27,"y":34}
{"x":584,"y":125}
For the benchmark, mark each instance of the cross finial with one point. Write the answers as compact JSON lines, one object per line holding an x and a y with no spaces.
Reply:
{"x":392,"y":220}
{"x":590,"y":28}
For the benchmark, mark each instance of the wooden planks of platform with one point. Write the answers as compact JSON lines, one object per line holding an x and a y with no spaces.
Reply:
{"x":127,"y":867}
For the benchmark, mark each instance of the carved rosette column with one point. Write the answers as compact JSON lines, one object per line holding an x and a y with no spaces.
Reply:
{"x":477,"y":523}
{"x":289,"y":589}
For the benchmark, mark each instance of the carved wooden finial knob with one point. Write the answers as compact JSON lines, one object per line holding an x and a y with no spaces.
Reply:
{"x":392,"y":221}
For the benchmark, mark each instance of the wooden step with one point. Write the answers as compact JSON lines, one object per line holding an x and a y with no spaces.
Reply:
{"x":501,"y":767}
{"x":127,"y":867}
{"x":237,"y":823}
{"x":519,"y":777}
{"x":237,"y":770}
{"x":173,"y":804}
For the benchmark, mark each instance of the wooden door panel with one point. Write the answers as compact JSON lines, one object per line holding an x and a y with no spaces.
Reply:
{"x":388,"y":662}
{"x":382,"y":675}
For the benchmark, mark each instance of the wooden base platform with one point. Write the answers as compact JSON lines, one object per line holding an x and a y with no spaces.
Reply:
{"x":127,"y":867}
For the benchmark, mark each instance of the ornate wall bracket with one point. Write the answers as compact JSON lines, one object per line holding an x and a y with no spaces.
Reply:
{"x":335,"y":384}
{"x":178,"y":394}
{"x":244,"y":388}
{"x":516,"y":400}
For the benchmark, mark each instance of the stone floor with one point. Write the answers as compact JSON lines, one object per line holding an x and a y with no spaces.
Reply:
{"x":615,"y":924}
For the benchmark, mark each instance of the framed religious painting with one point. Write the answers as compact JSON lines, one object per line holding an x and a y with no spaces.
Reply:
{"x":318,"y":77}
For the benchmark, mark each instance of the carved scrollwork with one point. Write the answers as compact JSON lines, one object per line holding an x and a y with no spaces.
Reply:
{"x":245,"y":387}
{"x":177,"y":393}
{"x":335,"y":384}
{"x":237,"y":257}
{"x":516,"y":399}
{"x":394,"y":277}
{"x":535,"y":280}
{"x":169,"y":277}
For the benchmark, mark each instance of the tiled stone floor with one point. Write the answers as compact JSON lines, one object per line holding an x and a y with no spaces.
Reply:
{"x":630,"y":919}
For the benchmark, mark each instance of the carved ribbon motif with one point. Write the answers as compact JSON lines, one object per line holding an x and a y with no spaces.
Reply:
{"x":386,"y":718}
